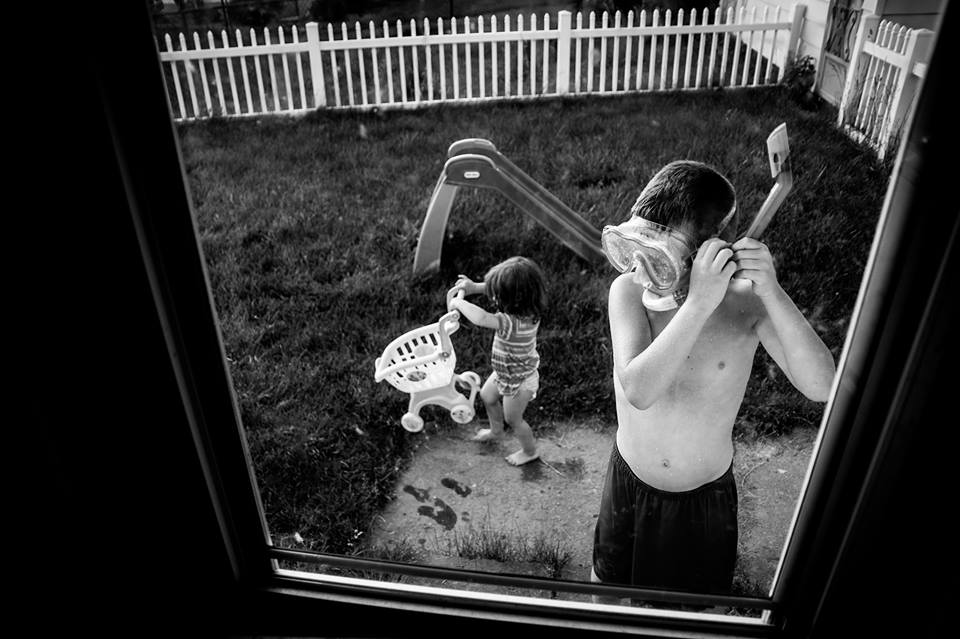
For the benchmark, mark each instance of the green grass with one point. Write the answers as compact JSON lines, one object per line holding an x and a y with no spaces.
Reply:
{"x":497,"y":544}
{"x":309,"y":228}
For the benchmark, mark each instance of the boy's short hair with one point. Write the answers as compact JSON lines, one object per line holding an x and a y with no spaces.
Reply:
{"x":687,"y":192}
{"x":518,"y":286}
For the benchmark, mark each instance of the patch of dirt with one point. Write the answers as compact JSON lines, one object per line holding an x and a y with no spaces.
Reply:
{"x":460,"y":496}
{"x":770,"y":474}
{"x":460,"y":504}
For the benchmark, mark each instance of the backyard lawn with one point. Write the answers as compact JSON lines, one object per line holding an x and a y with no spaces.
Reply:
{"x":309,"y":227}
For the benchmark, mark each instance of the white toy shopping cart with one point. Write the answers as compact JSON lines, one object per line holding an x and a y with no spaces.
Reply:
{"x":422,"y":362}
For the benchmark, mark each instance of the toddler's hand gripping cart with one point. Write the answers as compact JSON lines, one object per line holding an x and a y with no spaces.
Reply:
{"x":421,"y":362}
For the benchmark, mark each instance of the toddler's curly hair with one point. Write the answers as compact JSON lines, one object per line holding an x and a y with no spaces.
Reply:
{"x":518,"y":287}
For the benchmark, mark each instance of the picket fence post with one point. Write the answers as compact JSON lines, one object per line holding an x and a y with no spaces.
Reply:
{"x":918,"y":47}
{"x":793,"y":45}
{"x":563,"y":52}
{"x":866,"y":32}
{"x":316,"y":65}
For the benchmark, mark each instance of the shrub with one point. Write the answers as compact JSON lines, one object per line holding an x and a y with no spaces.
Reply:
{"x":257,"y":15}
{"x":334,"y":10}
{"x":799,"y":78}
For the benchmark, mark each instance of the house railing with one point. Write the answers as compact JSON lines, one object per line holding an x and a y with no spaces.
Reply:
{"x":475,"y":59}
{"x":886,"y":66}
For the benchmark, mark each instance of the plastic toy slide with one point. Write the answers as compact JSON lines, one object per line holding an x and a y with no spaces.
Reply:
{"x":475,"y":162}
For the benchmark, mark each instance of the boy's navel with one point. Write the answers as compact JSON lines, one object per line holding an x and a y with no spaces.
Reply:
{"x":665,"y":462}
{"x":721,"y":365}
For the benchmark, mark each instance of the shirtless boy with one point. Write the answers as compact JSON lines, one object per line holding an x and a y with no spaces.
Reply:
{"x":686,"y":316}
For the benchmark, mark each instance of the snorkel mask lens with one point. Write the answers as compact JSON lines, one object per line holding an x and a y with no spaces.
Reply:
{"x":659,"y":272}
{"x":657,"y":254}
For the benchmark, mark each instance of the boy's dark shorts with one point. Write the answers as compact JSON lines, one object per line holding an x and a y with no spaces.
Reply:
{"x":660,"y":539}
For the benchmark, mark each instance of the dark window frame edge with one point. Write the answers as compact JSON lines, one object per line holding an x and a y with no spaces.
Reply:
{"x":225,"y":482}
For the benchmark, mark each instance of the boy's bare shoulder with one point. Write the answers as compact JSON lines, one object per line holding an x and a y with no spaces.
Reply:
{"x":625,"y":293}
{"x":625,"y":298}
{"x":625,"y":286}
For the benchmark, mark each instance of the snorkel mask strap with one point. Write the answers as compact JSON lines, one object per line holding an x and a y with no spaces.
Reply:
{"x":662,"y":303}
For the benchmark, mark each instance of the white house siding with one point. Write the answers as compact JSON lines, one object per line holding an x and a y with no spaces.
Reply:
{"x":811,"y":33}
{"x":916,"y":14}
{"x":831,"y":72}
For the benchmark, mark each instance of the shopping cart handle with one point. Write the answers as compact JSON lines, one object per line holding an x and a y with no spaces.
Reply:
{"x":452,"y":317}
{"x":449,"y":323}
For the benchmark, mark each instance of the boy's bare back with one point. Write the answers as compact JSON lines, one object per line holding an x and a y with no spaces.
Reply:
{"x":684,"y":440}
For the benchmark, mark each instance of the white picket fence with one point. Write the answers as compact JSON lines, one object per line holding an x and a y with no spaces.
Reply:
{"x":476,"y":59}
{"x":886,"y":65}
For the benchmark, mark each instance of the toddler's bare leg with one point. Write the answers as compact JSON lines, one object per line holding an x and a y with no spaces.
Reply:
{"x":491,"y":399}
{"x":513,"y":408}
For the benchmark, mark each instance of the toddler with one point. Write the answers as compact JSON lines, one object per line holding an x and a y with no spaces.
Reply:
{"x":517,"y":287}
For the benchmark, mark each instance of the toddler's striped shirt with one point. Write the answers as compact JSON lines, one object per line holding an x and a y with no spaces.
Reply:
{"x":514,"y":357}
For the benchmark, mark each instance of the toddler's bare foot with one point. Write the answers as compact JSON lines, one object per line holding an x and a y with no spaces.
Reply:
{"x":521,"y":457}
{"x":485,"y":435}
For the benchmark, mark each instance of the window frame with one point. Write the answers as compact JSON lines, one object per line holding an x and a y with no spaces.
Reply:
{"x":841,"y":471}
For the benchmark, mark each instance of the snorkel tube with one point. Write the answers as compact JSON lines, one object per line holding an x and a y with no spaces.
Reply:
{"x":778,"y":152}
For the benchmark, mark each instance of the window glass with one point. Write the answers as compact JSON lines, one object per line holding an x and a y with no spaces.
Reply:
{"x":310,"y":227}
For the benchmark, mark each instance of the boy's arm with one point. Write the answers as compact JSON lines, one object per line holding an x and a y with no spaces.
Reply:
{"x":783,"y":330}
{"x":647,"y":368}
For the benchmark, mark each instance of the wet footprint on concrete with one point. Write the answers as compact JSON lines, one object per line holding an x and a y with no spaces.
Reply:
{"x":532,"y":471}
{"x":455,"y":486}
{"x":572,"y":467}
{"x":420,"y":494}
{"x":442,"y":514}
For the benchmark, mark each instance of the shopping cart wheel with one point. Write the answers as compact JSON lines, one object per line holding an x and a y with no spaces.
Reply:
{"x":462,"y":413}
{"x":411,"y":422}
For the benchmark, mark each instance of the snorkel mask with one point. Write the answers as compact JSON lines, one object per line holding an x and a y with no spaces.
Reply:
{"x":659,"y":256}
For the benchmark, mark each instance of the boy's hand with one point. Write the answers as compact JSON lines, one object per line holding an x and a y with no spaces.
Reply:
{"x":710,"y":274}
{"x":755,"y":263}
